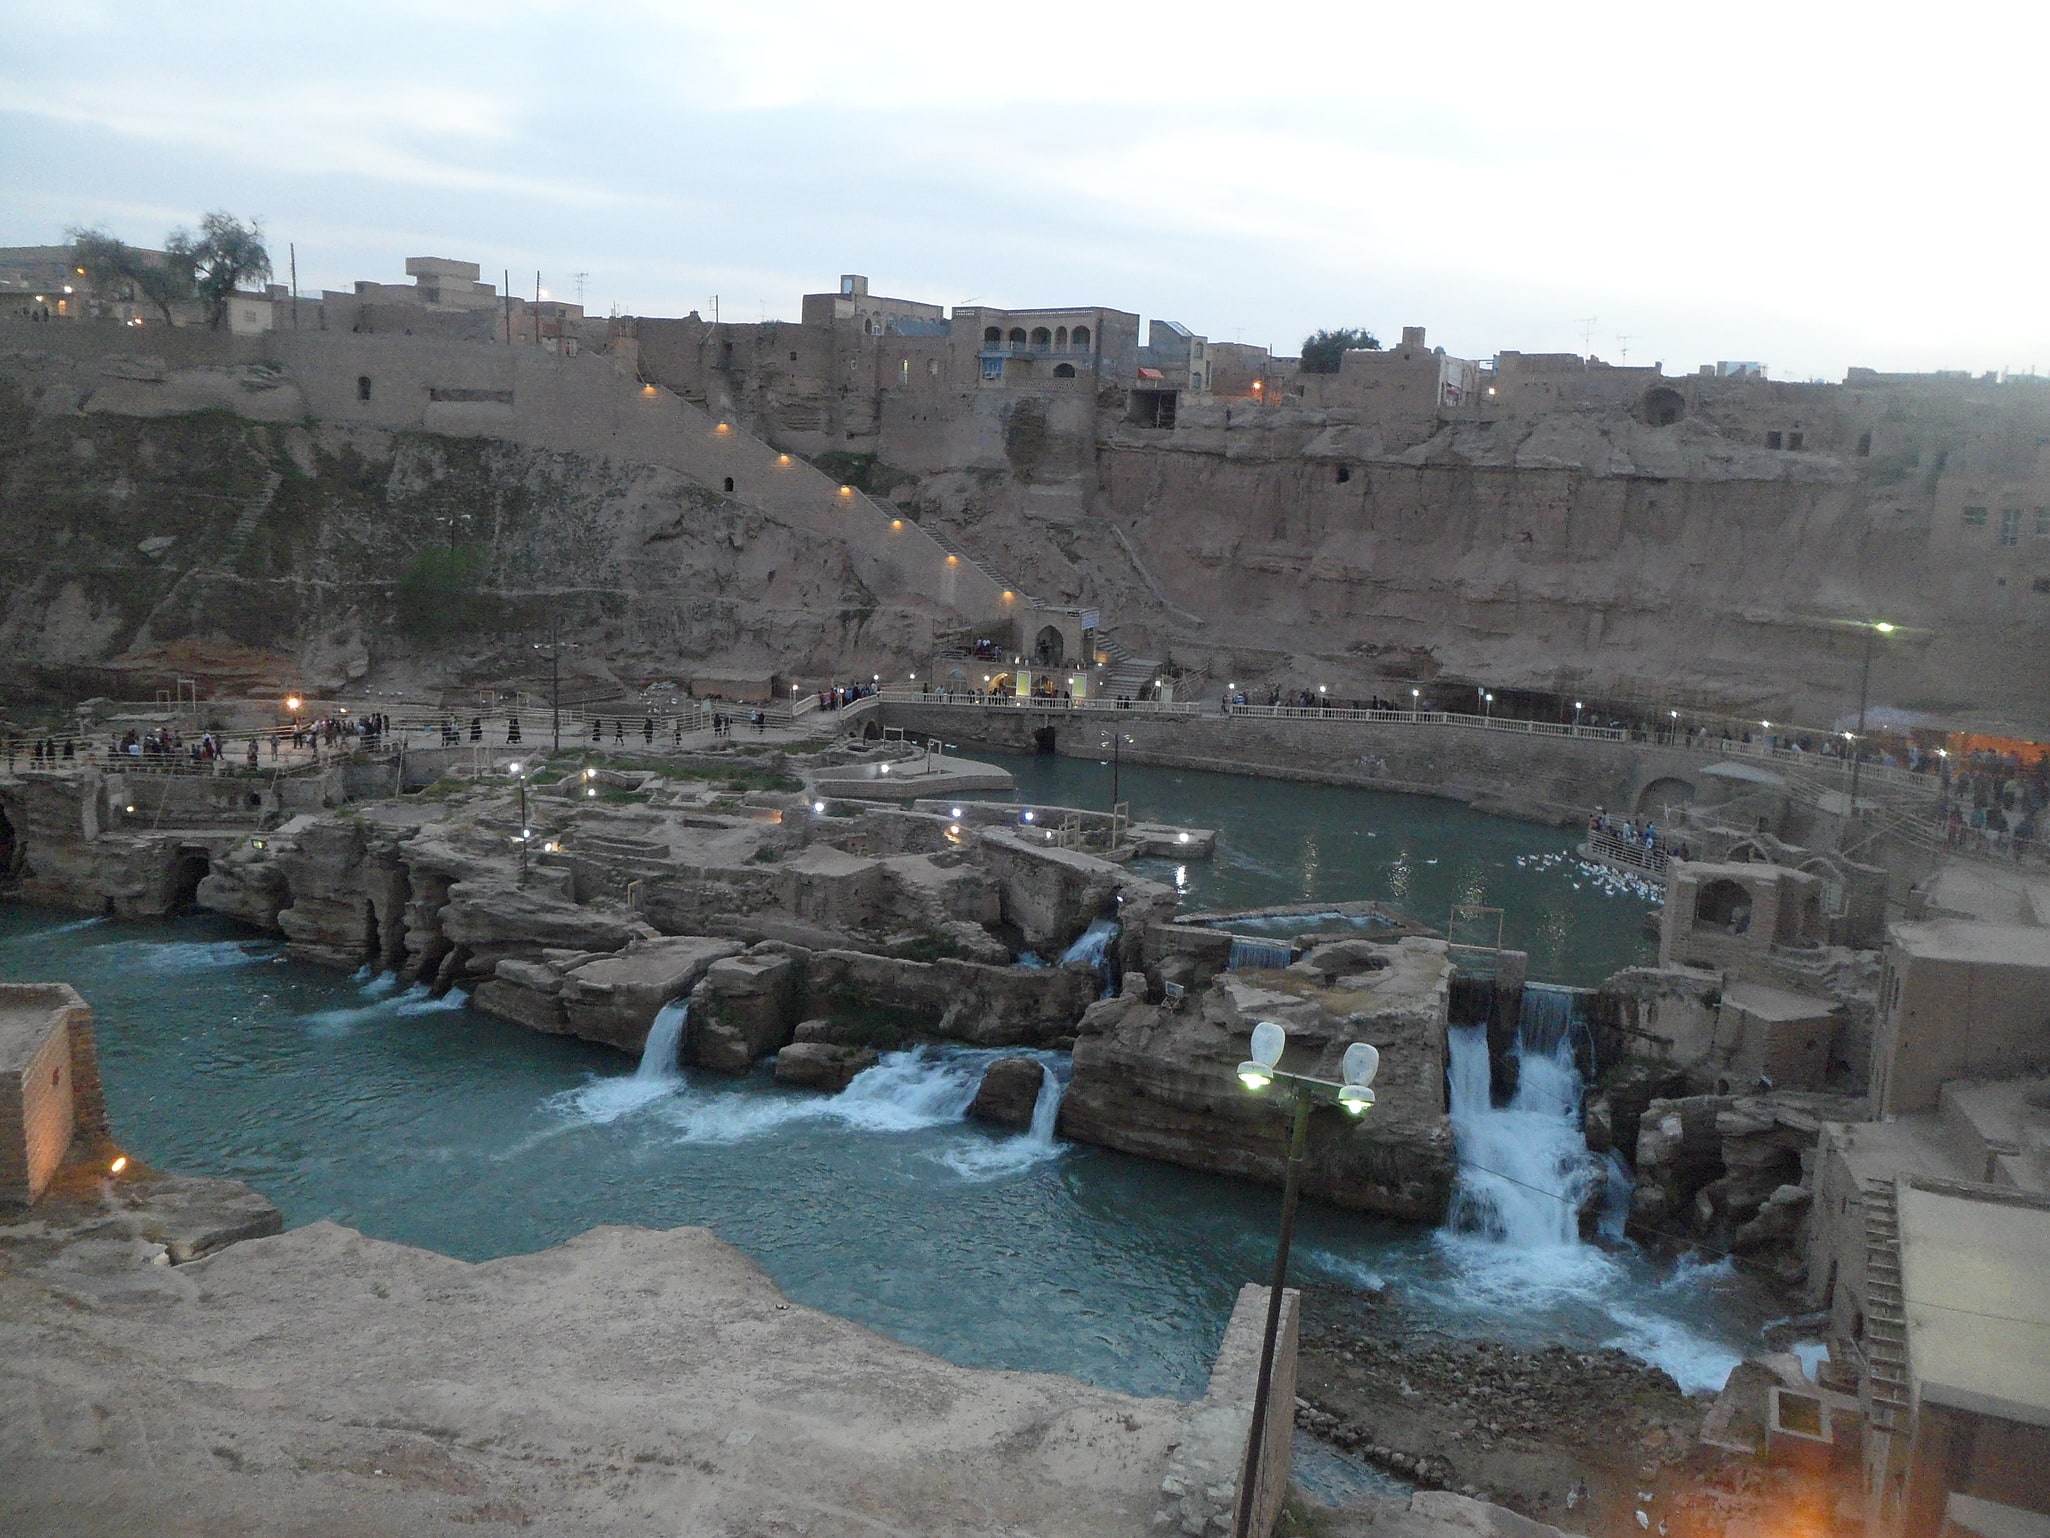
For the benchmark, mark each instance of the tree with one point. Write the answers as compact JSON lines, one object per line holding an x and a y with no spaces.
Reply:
{"x":1323,"y":350}
{"x":162,"y":280}
{"x":227,"y":254}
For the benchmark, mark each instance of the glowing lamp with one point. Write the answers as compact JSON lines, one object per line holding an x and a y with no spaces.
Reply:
{"x":1257,"y":1072}
{"x":819,"y":807}
{"x":1026,"y":816}
{"x":291,"y":702}
{"x":956,"y":813}
{"x":1884,"y":628}
{"x":118,"y":1165}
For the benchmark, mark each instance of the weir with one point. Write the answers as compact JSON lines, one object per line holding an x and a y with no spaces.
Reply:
{"x":1093,"y":946}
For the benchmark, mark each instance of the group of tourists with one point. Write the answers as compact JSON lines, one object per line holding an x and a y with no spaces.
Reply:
{"x":838,"y":698}
{"x":1642,"y":841}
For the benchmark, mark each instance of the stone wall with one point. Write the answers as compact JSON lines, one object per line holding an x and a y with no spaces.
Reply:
{"x":1543,"y":779}
{"x":1200,"y":1494}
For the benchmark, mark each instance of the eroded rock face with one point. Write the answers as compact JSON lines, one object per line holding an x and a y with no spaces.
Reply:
{"x":744,"y":1009}
{"x":1164,"y":1083}
{"x":615,"y":1000}
{"x":821,"y":1065}
{"x":1009,"y":1092}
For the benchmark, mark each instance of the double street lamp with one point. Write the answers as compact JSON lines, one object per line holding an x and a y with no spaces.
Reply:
{"x":1114,"y":741}
{"x":526,"y":833}
{"x":1873,"y":631}
{"x":1354,"y":1093}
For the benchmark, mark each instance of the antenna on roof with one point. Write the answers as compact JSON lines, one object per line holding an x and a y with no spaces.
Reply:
{"x":1586,"y":324}
{"x":582,"y":279}
{"x":1623,"y":345}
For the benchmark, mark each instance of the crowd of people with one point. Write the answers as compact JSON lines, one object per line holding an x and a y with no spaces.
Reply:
{"x":1997,"y":801}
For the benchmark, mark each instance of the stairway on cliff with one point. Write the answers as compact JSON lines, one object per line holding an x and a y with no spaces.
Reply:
{"x":954,"y":547}
{"x":1128,"y":675}
{"x":248,"y":520}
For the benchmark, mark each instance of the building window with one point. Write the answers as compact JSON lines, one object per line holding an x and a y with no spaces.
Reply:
{"x":1080,"y":336}
{"x":1772,"y":440}
{"x":1794,"y":440}
{"x":1041,"y":337}
{"x":1864,"y":445}
{"x":729,"y":483}
{"x":1017,"y":336}
{"x":1975,"y":517}
{"x":726,"y":348}
{"x":1060,"y":336}
{"x":2043,"y":523}
{"x":793,"y":357}
{"x":2010,"y":526}
{"x":362,"y":387}
{"x":903,"y":371}
{"x":1344,"y":474}
{"x":932,"y":368}
{"x":990,"y":334}
{"x":992,"y":368}
{"x":1064,"y":371}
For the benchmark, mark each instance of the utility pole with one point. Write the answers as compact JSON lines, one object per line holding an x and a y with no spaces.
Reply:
{"x":293,"y":248}
{"x":582,"y":279}
{"x":1586,"y":324}
{"x":1623,"y":345}
{"x":506,"y":299}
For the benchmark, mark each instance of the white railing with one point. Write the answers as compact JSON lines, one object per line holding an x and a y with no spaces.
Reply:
{"x":900,"y":694}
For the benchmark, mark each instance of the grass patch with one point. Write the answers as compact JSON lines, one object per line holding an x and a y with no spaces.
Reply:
{"x":864,"y":1023}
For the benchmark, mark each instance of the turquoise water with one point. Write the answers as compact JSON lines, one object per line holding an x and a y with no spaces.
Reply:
{"x":426,"y":1122}
{"x":1285,"y":843}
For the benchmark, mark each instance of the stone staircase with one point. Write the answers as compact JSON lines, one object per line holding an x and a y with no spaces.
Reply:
{"x":953,"y":547}
{"x":1886,"y":1329}
{"x":236,"y":545}
{"x":1127,"y":674}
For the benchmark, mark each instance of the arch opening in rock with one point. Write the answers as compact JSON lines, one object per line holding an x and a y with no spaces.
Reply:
{"x":187,"y":871}
{"x":1048,"y":647}
{"x":1666,"y":791}
{"x":1661,"y":406}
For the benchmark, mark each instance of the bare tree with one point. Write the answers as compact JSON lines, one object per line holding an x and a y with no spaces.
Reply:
{"x":226,"y":254}
{"x":162,"y":280}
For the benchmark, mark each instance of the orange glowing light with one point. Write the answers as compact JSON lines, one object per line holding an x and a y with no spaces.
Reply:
{"x":953,"y":560}
{"x":783,"y":459}
{"x":846,"y":491}
{"x":118,"y":1165}
{"x":896,"y":523}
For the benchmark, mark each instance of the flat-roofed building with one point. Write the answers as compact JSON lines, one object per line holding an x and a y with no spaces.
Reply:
{"x":1957,"y":999}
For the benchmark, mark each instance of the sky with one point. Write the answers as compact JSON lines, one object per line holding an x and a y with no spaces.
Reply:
{"x":1806,"y":183}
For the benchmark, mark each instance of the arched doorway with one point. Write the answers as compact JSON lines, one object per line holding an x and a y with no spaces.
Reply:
{"x":1723,"y":904}
{"x":1664,"y":792}
{"x":1049,"y":649}
{"x":10,"y":849}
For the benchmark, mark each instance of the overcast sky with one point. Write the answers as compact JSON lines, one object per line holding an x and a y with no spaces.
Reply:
{"x":1807,"y":183}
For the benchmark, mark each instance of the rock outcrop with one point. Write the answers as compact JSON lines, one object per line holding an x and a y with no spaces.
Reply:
{"x":821,"y":1065}
{"x":1163,"y":1083}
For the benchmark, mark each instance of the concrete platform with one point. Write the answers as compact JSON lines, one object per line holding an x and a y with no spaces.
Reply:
{"x":910,"y":780}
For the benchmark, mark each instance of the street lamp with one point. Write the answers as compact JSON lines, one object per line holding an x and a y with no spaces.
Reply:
{"x":1113,"y":742}
{"x":1674,"y":736}
{"x":1874,"y":629}
{"x":555,"y":645}
{"x":1576,"y":715}
{"x":1355,"y":1093}
{"x":1416,"y":704}
{"x":1487,"y":706}
{"x":526,"y":833}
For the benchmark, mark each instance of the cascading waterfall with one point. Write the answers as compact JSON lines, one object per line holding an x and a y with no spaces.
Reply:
{"x":665,"y":1038}
{"x":1271,"y":955}
{"x":1093,"y":947}
{"x":1550,"y":1014}
{"x":1523,"y":1167}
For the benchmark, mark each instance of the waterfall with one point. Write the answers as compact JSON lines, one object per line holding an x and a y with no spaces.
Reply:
{"x":1269,"y":955}
{"x":1523,"y":1167}
{"x":1616,"y":1194}
{"x":1548,"y":1015}
{"x":665,"y":1036}
{"x":1093,"y":946}
{"x":1046,"y":1110}
{"x":1029,"y":960}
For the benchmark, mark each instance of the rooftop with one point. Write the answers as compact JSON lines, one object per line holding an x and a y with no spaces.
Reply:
{"x":2015,"y":945}
{"x":1972,"y":1263}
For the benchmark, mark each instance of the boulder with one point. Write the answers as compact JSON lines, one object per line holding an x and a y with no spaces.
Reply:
{"x":742,"y":1010}
{"x":1009,"y":1092}
{"x":821,"y":1065}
